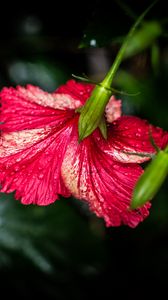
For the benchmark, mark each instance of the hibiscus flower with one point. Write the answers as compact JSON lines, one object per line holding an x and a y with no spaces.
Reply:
{"x":41,"y":158}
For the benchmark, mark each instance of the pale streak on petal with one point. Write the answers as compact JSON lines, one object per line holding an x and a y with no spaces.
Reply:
{"x":113,"y":109}
{"x":93,"y":176}
{"x":31,"y":163}
{"x":129,"y":134}
{"x":14,"y":142}
{"x":125,"y":156}
{"x":54,"y":100}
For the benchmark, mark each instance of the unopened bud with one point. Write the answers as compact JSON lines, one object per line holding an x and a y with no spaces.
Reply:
{"x":151,"y":180}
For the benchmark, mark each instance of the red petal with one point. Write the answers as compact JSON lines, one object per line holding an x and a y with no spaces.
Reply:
{"x":77,"y":90}
{"x":28,"y":108}
{"x":92,"y":175}
{"x":30,"y":163}
{"x":130,"y":134}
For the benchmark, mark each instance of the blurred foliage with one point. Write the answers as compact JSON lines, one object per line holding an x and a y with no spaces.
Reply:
{"x":106,"y":25}
{"x":63,"y":251}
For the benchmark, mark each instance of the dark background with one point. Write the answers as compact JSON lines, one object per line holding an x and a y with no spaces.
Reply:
{"x":63,"y":251}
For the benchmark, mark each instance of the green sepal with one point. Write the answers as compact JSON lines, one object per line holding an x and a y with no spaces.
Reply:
{"x":103,"y":127}
{"x":92,"y":112}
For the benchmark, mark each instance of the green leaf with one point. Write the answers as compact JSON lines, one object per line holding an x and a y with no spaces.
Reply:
{"x":155,"y":57}
{"x":143,"y":38}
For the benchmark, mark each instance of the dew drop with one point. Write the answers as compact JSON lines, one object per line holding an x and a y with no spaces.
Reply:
{"x":137,"y":134}
{"x":83,"y":189}
{"x":16,"y":168}
{"x":18,"y":159}
{"x":40,"y":176}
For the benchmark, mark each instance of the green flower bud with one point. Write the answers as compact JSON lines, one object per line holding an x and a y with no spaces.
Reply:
{"x":151,"y":180}
{"x":91,"y":114}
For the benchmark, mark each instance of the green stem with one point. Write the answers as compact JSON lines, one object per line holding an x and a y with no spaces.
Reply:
{"x":92,"y":113}
{"x":110,"y":75}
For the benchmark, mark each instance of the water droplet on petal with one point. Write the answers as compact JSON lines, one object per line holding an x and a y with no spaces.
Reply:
{"x":83,"y":189}
{"x":16,"y":168}
{"x":138,"y":134}
{"x":18,"y":159}
{"x":40,"y":176}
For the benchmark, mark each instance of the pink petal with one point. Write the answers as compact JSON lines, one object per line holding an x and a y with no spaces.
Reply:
{"x":113,"y":109}
{"x":92,"y":175}
{"x":30,"y":163}
{"x":130,"y":134}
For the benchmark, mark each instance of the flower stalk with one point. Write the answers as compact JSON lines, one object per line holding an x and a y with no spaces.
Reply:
{"x":92,"y":113}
